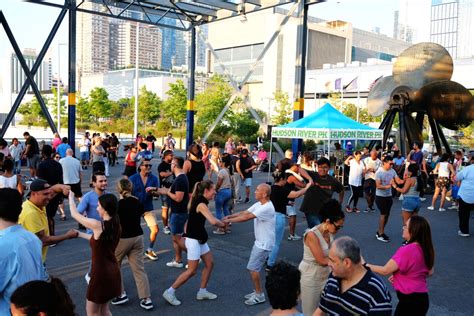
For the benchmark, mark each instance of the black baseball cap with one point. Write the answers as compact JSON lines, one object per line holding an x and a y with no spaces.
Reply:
{"x":39,"y":185}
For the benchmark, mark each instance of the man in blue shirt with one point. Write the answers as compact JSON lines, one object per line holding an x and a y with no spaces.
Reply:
{"x":145,"y":186}
{"x":144,"y":153}
{"x":61,"y":150}
{"x":90,"y":200}
{"x":20,"y":255}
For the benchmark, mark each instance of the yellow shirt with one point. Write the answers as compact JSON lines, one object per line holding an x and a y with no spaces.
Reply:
{"x":34,"y":219}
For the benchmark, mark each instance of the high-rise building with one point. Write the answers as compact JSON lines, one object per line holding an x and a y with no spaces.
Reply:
{"x":452,"y":22}
{"x":12,"y":77}
{"x":93,"y":41}
{"x":149,"y":50}
{"x":105,"y":44}
{"x":43,"y":77}
{"x":412,"y":21}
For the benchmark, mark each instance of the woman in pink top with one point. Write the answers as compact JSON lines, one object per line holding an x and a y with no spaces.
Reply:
{"x":56,"y":141}
{"x":410,"y":266}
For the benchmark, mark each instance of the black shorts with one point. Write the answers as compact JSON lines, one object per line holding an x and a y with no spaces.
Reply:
{"x":384,"y":204}
{"x":76,"y":189}
{"x":369,"y":186}
{"x":53,"y":204}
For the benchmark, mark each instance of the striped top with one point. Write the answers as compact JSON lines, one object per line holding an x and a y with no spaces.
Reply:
{"x":368,"y":297}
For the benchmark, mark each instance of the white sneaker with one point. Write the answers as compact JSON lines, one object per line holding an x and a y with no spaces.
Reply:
{"x":442,"y":209}
{"x":422,"y":199}
{"x":249,"y":295}
{"x":171,"y":298}
{"x":294,"y":237}
{"x":255,"y":299}
{"x":431,"y":208}
{"x":87,"y":277}
{"x":174,"y":264}
{"x":166,"y":230}
{"x":452,"y":207}
{"x":206,"y":295}
{"x":462,"y":234}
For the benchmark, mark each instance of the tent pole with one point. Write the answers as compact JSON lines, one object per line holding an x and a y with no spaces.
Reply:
{"x":270,"y":160}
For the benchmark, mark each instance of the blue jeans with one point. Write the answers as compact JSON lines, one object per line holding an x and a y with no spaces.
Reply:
{"x":279,"y":232}
{"x":17,"y":167}
{"x":223,"y":197}
{"x":312,"y":220}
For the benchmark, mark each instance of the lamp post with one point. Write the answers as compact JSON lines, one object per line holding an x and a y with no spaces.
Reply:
{"x":58,"y":85}
{"x":135,"y":113}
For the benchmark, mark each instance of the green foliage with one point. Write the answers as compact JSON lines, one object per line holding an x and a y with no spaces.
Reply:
{"x":149,"y":106}
{"x":99,"y":104}
{"x":174,"y":108}
{"x":162,"y":128}
{"x":244,"y":126}
{"x":32,"y":113}
{"x":210,"y":103}
{"x":283,"y":109}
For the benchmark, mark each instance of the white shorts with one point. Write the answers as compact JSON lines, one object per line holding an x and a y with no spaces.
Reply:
{"x":195,"y":249}
{"x":150,"y":218}
{"x":290,"y":210}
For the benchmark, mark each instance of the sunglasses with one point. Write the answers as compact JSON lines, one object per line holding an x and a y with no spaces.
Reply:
{"x":338,"y":227}
{"x":57,"y":157}
{"x":147,"y":166}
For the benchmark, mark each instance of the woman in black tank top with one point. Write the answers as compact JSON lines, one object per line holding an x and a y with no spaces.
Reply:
{"x":196,"y":242}
{"x":194,"y":167}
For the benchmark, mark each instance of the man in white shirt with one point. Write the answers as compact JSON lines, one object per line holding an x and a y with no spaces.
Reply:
{"x":371,"y":165}
{"x":263,"y":214}
{"x":72,"y":173}
{"x":84,"y":145}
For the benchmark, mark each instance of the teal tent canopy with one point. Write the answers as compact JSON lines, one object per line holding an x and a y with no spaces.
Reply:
{"x":327,"y":123}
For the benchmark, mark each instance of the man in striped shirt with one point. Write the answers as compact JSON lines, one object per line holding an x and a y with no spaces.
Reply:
{"x":352,"y":289}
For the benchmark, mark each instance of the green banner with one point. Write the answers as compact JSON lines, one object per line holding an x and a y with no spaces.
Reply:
{"x":326,"y":134}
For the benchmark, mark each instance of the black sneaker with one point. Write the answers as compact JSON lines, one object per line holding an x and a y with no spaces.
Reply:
{"x":146,"y":303}
{"x":382,"y":237}
{"x":267,"y":268}
{"x":119,"y":300}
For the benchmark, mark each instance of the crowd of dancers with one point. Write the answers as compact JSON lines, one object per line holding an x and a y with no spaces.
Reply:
{"x":332,"y":278}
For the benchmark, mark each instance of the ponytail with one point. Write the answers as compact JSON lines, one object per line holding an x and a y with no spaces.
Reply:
{"x":198,"y":191}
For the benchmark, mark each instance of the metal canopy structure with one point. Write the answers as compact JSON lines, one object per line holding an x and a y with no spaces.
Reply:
{"x":190,"y":14}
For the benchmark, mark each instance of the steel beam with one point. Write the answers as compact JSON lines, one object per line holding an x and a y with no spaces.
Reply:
{"x":238,"y":87}
{"x":237,"y":91}
{"x":300,"y":71}
{"x":152,"y":11}
{"x":229,"y":6}
{"x":29,"y":74}
{"x":191,"y":82}
{"x":71,"y":108}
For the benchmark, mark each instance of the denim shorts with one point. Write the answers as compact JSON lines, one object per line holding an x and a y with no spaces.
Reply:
{"x":84,"y":155}
{"x":248,"y":182}
{"x":411,"y":203}
{"x":177,"y":222}
{"x":257,"y":259}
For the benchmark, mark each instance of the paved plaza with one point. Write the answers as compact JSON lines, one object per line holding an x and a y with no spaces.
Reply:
{"x":451,"y":291}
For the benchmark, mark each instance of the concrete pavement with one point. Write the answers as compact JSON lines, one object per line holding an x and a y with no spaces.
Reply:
{"x":451,"y":291}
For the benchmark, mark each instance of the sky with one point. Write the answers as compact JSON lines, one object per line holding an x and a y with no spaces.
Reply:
{"x":31,"y":23}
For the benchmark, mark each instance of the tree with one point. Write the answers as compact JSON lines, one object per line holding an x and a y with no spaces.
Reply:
{"x":350,"y":110}
{"x":244,"y":126}
{"x":100,"y":105}
{"x":174,"y":108}
{"x":53,"y":107}
{"x":210,"y":103}
{"x":83,"y":110}
{"x":33,"y":114}
{"x":149,"y":106}
{"x":283,"y":108}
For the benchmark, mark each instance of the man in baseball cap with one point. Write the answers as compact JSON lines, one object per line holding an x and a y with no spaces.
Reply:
{"x":33,"y":215}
